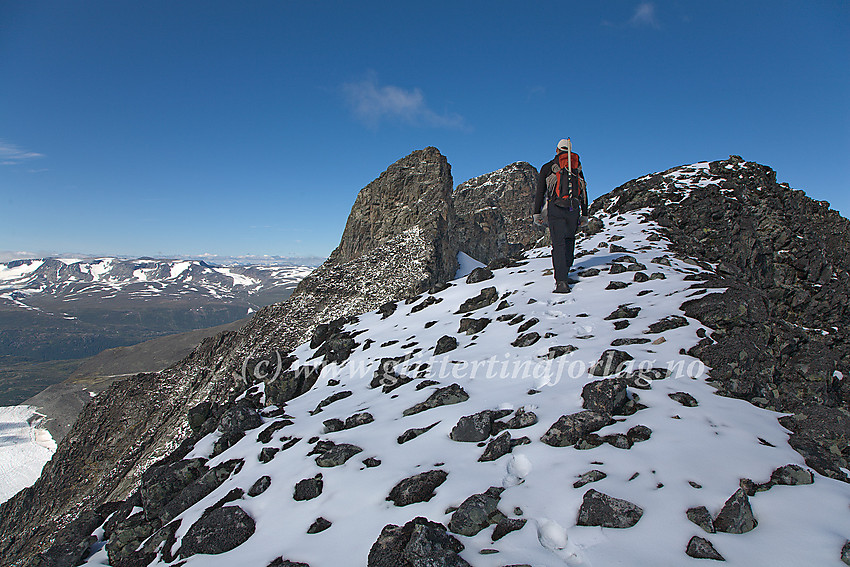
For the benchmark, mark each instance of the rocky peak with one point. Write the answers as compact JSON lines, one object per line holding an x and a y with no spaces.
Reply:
{"x":494,"y":210}
{"x":415,"y":191}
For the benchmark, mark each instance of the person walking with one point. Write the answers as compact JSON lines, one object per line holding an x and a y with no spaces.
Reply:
{"x":561,"y":201}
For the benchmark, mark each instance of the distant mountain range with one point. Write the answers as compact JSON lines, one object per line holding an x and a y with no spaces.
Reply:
{"x":67,"y":308}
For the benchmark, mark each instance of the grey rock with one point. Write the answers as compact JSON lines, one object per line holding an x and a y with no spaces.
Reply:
{"x":320,"y":525}
{"x":473,"y":428}
{"x":791,"y":475}
{"x":668,"y":323}
{"x":588,"y":477}
{"x":413,"y":433}
{"x":845,"y":553}
{"x":526,"y":340}
{"x":701,"y":517}
{"x":358,"y":419}
{"x":486,"y":297}
{"x":498,"y":447}
{"x":479,"y":275}
{"x":261,"y":485}
{"x":217,"y":531}
{"x":521,"y":419}
{"x":471,"y":326}
{"x":639,"y":433}
{"x":417,"y":488}
{"x":616,"y":285}
{"x":598,"y":509}
{"x":431,"y":546}
{"x":684,"y":398}
{"x":570,"y":428}
{"x":624,"y":312}
{"x":477,"y":512}
{"x":507,"y":526}
{"x":607,"y":396}
{"x":445,"y":344}
{"x":337,"y":455}
{"x":558,"y":351}
{"x":308,"y":488}
{"x":618,"y":440}
{"x":701,"y":548}
{"x":452,"y":394}
{"x":736,"y":516}
{"x":611,"y":362}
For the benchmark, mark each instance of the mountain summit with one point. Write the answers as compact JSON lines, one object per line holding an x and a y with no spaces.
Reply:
{"x":386,"y":416}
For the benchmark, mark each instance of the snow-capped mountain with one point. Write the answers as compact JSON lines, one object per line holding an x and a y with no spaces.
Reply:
{"x":42,"y":284}
{"x":528,"y":428}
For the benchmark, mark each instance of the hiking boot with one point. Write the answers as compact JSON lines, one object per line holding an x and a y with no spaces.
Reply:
{"x":562,"y":287}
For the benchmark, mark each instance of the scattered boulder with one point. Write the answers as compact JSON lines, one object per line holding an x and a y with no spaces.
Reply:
{"x":452,"y":394}
{"x":701,"y":548}
{"x":218,"y":530}
{"x":617,"y":285}
{"x":736,"y":516}
{"x":611,"y":362}
{"x":419,"y":543}
{"x":498,"y":447}
{"x":470,"y":326}
{"x":488,"y":296}
{"x":624,"y":312}
{"x":479,"y":275}
{"x":473,"y":428}
{"x":598,"y":509}
{"x":791,"y":475}
{"x":261,"y":485}
{"x":417,"y":488}
{"x":477,"y":512}
{"x":608,"y":396}
{"x":527,"y":339}
{"x":320,"y":525}
{"x":684,"y":398}
{"x":413,"y":433}
{"x":639,"y":433}
{"x":570,"y":428}
{"x":701,"y":517}
{"x":308,"y":488}
{"x":507,"y":526}
{"x":445,"y":344}
{"x":521,"y":419}
{"x":845,"y":553}
{"x":557,"y":351}
{"x":668,"y":323}
{"x":588,"y":477}
{"x":337,"y":455}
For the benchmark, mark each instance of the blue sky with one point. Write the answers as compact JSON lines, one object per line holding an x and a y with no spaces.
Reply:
{"x":234,"y":128}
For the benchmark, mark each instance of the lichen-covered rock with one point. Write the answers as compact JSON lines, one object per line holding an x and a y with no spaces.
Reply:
{"x":445,"y":344}
{"x":701,"y":517}
{"x":607,"y":396}
{"x":452,"y":394}
{"x":486,"y":297}
{"x":261,"y":485}
{"x":473,"y":428}
{"x":477,"y":512}
{"x":684,"y":398}
{"x":417,"y":488}
{"x":419,"y":543}
{"x":588,"y":477}
{"x":337,"y":455}
{"x":611,"y":362}
{"x":570,"y":428}
{"x":479,"y":275}
{"x":791,"y":475}
{"x":498,"y":447}
{"x":736,"y":516}
{"x":218,"y":530}
{"x":598,"y":509}
{"x":308,"y":488}
{"x":701,"y":548}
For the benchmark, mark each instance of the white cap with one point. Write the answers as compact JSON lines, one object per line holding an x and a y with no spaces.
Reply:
{"x":565,"y":145}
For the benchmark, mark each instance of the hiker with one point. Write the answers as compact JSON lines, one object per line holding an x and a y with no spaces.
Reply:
{"x":561,"y":202}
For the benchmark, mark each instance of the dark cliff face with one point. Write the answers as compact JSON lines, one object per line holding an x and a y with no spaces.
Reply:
{"x":781,"y":327}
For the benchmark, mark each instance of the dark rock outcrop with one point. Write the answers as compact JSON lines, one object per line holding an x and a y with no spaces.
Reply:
{"x":419,"y":543}
{"x":217,"y":531}
{"x":598,"y":509}
{"x":417,"y":488}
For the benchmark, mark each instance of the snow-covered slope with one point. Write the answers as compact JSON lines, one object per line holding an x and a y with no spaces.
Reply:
{"x":24,"y":448}
{"x":528,"y":351}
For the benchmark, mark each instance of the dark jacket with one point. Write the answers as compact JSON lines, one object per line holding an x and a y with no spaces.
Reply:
{"x":545,"y":172}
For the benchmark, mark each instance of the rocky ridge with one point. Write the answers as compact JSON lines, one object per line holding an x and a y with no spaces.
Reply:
{"x":399,"y":241}
{"x":687,"y":253}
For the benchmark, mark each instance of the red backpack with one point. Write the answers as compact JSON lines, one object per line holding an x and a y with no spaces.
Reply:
{"x":567,"y":185}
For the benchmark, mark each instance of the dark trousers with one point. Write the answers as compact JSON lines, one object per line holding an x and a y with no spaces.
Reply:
{"x":563,"y":224}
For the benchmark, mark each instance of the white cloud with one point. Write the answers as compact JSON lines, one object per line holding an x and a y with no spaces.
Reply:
{"x":373,"y":103}
{"x":644,"y":16}
{"x":10,"y":154}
